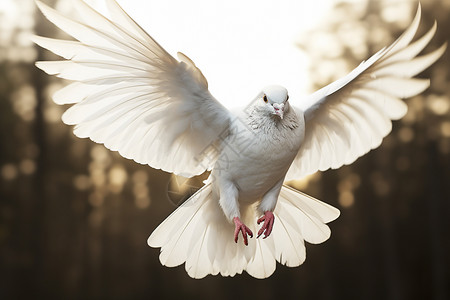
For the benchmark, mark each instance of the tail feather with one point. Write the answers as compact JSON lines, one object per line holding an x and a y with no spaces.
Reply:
{"x":198,"y":234}
{"x":290,"y":248}
{"x":177,"y":231}
{"x":309,"y":215}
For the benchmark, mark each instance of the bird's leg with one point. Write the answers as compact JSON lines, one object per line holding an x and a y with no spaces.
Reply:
{"x":266,"y":228}
{"x":239,"y":226}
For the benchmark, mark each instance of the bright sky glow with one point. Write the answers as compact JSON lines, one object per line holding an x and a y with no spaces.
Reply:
{"x":7,"y":6}
{"x":8,"y":13}
{"x":240,"y":46}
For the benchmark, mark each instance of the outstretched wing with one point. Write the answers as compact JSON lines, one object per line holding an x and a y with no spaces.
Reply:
{"x":351,"y":116}
{"x":131,"y":95}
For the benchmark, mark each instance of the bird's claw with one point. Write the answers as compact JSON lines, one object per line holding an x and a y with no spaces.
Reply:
{"x":240,"y":227}
{"x":266,"y":228}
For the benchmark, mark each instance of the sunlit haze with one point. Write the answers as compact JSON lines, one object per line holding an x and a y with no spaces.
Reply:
{"x":240,"y":46}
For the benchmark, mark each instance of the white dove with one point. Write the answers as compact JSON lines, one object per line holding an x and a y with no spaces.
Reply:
{"x":135,"y":98}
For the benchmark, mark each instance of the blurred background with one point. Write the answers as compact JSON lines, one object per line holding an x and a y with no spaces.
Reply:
{"x":74,"y":217}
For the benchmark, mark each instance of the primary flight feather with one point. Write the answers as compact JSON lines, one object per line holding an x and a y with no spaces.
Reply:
{"x":135,"y":98}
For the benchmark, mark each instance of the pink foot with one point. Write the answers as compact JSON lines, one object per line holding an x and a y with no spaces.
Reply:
{"x":242,"y":228}
{"x":268,"y":219}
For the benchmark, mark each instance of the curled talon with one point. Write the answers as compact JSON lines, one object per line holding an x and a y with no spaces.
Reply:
{"x":266,"y":228}
{"x":240,"y":227}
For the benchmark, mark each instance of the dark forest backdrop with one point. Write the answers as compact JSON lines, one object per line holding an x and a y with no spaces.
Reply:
{"x":74,"y":217}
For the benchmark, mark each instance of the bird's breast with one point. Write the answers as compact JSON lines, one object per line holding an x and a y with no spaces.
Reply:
{"x":255,"y":159}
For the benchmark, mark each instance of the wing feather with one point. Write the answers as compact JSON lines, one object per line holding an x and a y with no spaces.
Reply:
{"x":131,"y":95}
{"x":352,"y":115}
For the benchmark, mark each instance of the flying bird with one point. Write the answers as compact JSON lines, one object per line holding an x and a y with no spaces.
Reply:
{"x":135,"y":98}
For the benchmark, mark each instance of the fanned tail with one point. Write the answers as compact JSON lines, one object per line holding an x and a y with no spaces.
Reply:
{"x":198,"y":234}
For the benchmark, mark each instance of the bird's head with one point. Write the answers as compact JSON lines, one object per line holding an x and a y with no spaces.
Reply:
{"x":273,"y":100}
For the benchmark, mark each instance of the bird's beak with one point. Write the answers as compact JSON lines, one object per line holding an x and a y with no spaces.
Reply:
{"x":279,"y":110}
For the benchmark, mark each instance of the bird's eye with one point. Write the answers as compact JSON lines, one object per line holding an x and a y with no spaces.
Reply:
{"x":265,"y":98}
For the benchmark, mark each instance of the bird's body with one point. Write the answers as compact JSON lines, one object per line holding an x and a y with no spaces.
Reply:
{"x":135,"y":98}
{"x":255,"y":138}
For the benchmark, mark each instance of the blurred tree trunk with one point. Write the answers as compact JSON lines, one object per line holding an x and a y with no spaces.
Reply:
{"x":38,"y":203}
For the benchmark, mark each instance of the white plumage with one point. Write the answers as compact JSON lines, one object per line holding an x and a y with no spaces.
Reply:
{"x":135,"y":98}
